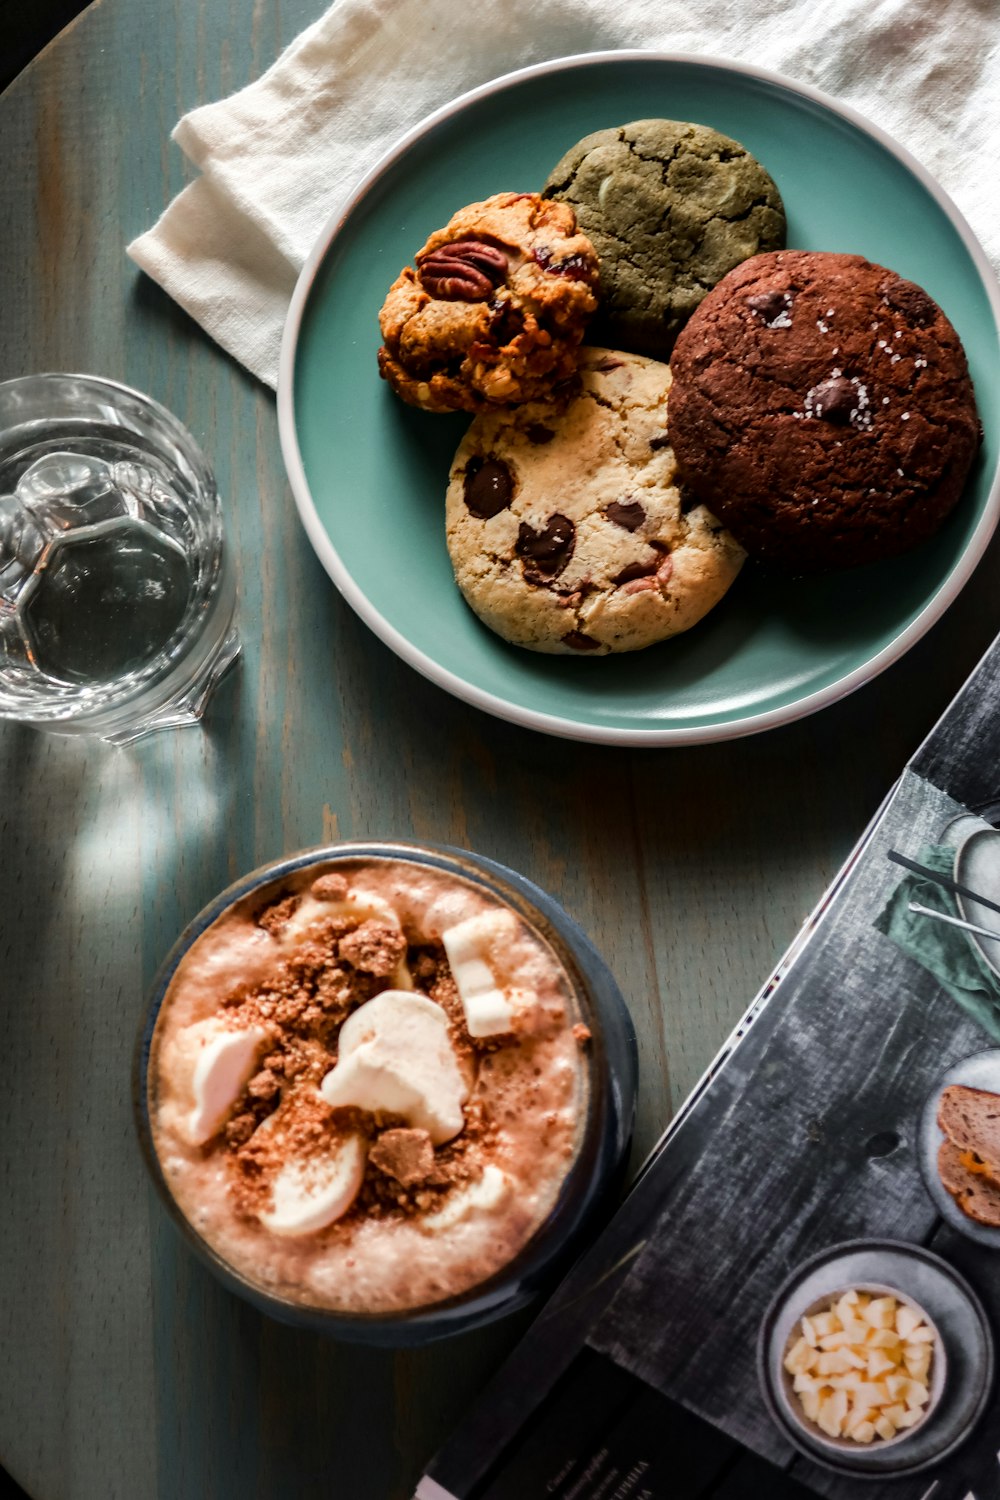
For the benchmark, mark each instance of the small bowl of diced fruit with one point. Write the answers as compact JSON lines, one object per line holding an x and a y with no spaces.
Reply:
{"x":864,"y":1367}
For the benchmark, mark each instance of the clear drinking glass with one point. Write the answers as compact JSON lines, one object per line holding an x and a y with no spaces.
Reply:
{"x":116,"y":596}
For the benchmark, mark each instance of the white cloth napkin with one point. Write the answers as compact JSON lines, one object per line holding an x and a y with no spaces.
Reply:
{"x":280,"y":156}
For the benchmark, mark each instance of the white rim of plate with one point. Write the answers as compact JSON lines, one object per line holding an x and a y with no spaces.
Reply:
{"x":468,"y":691}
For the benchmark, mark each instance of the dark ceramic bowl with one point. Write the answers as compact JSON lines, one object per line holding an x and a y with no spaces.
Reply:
{"x":588,"y":1191}
{"x":961,"y":1378}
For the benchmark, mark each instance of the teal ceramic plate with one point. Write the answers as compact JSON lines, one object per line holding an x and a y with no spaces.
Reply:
{"x":369,"y":474}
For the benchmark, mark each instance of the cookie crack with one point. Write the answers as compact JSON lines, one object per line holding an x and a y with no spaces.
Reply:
{"x":560,"y":187}
{"x":663,"y":162}
{"x":741,"y":218}
{"x":626,"y":256}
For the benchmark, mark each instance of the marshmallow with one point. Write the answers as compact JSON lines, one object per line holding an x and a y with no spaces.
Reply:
{"x":309,"y":1194}
{"x":359,"y":906}
{"x":222,"y":1063}
{"x":485,"y":1194}
{"x":395,"y":1056}
{"x":470,"y":946}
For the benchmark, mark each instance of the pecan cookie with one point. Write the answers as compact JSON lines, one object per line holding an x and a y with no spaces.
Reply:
{"x":566,"y":528}
{"x":823,"y":407}
{"x":494,"y":309}
{"x":670,"y":208}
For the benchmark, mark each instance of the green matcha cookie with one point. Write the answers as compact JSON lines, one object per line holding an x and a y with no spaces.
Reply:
{"x":670,"y":208}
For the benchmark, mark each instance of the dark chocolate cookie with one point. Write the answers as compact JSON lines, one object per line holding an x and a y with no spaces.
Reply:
{"x":822,"y":407}
{"x":670,"y":208}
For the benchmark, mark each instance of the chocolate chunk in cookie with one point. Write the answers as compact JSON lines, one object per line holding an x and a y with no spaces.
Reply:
{"x":545,"y":552}
{"x":489,"y":485}
{"x":628,"y":513}
{"x":838,"y":432}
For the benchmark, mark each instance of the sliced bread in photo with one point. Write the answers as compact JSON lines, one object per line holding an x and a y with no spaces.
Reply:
{"x":976,"y":1194}
{"x":971,"y":1119}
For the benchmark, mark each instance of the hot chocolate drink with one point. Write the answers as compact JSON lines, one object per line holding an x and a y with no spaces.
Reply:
{"x":366,"y":1085}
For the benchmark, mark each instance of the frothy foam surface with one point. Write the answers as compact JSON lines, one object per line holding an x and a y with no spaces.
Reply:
{"x":429,"y":1221}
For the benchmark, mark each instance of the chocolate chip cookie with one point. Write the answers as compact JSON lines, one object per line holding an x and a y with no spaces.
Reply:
{"x":823,"y":407}
{"x":494,"y":308}
{"x":670,"y":208}
{"x":566,"y":528}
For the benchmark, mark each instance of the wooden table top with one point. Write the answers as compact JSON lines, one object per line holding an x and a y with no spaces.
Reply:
{"x":127,"y":1372}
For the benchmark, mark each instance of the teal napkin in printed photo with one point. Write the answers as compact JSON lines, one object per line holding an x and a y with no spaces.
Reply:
{"x":946,"y":952}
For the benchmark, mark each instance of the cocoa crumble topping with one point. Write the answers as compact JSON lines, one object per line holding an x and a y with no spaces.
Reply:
{"x":303,"y":1002}
{"x":330,"y":887}
{"x":253,"y":1113}
{"x":275,"y":918}
{"x":406,"y":1155}
{"x":425,"y":962}
{"x":239,"y":1130}
{"x":309,"y":992}
{"x":264,"y":1085}
{"x":374,"y":947}
{"x":453,"y":1165}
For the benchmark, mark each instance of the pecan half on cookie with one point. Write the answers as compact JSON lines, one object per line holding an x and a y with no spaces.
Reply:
{"x":493,"y":310}
{"x":464,"y":271}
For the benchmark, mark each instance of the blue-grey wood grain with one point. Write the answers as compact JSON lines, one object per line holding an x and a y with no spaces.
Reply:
{"x":126,"y":1373}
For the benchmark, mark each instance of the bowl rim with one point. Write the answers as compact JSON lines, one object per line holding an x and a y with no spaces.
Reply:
{"x":468,"y":691}
{"x":603,"y":1147}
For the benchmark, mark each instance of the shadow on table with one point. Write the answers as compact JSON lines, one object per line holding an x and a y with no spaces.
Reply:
{"x":25,"y":30}
{"x":9,"y":1490}
{"x":249,"y":1406}
{"x":159,"y":309}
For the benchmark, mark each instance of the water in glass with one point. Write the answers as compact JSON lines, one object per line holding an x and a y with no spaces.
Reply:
{"x":110,"y":567}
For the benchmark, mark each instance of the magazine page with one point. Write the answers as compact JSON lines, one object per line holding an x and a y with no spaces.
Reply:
{"x":801,"y":1295}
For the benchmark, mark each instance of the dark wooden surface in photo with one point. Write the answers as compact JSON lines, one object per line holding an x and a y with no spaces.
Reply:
{"x":127,"y":1373}
{"x":26,"y":28}
{"x":785,"y":1156}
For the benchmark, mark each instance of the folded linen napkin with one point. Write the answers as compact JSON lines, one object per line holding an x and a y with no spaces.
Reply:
{"x":279,"y":157}
{"x":946,"y":952}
